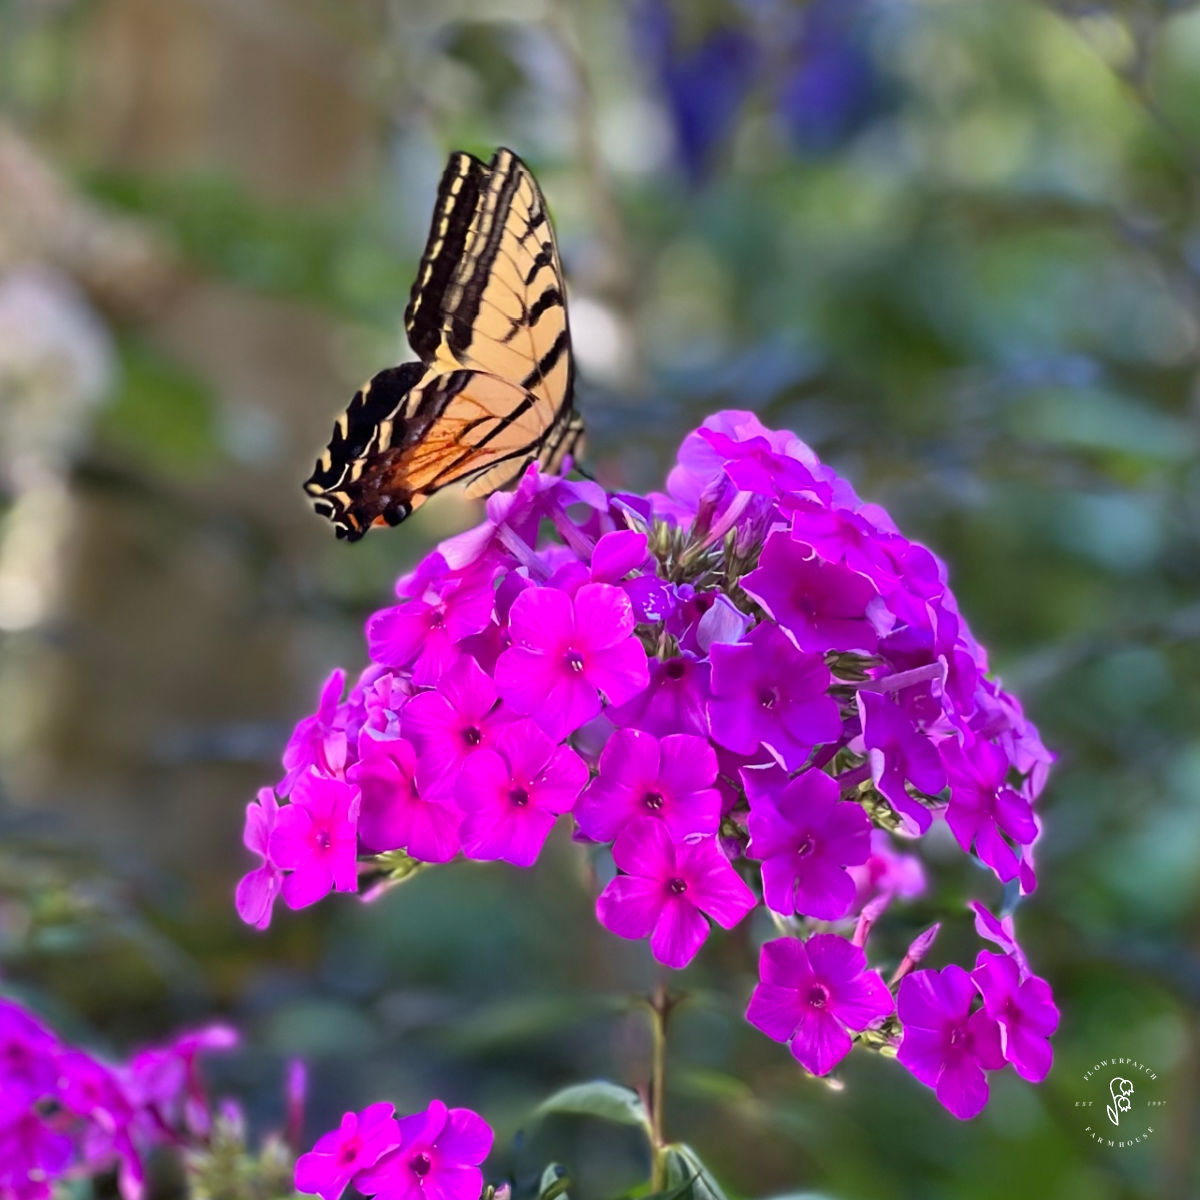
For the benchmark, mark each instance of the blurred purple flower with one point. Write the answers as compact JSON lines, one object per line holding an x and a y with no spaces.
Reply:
{"x":439,"y":1156}
{"x":358,"y":1143}
{"x":257,"y":890}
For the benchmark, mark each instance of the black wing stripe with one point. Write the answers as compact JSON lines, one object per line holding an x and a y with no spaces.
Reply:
{"x":546,"y":363}
{"x":444,"y":251}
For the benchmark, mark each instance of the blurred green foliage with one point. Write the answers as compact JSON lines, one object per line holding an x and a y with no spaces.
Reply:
{"x":981,"y":301}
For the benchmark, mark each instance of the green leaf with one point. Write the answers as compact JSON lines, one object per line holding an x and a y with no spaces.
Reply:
{"x":687,"y":1172}
{"x":607,"y":1101}
{"x":555,"y":1182}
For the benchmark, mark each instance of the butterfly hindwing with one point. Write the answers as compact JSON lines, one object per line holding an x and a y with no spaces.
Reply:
{"x":493,"y":390}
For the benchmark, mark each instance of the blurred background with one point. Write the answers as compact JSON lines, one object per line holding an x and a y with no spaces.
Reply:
{"x":954,"y":245}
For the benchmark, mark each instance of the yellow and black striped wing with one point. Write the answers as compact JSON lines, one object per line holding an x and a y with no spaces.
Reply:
{"x":489,"y":295}
{"x":493,"y":390}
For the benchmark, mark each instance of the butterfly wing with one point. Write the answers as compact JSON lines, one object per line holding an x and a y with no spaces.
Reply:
{"x":411,"y":431}
{"x":493,"y":389}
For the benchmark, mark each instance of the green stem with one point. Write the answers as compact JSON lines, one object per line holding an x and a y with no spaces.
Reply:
{"x":660,"y":1010}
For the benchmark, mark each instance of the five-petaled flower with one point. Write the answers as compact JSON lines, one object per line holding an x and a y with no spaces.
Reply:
{"x":315,"y":840}
{"x":357,"y":1144}
{"x":811,"y":993}
{"x":567,"y":652}
{"x":667,"y":891}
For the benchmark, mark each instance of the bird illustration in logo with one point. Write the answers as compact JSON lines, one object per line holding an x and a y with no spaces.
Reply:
{"x":1120,"y":1090}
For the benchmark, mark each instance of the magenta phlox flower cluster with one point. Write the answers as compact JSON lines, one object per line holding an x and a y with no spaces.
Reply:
{"x":431,"y":1155}
{"x":66,"y":1114}
{"x":748,"y":692}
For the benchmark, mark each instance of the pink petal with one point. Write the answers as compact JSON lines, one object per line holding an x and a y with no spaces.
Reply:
{"x":524,"y":678}
{"x":603,"y":618}
{"x":466,"y":1137}
{"x":679,"y":933}
{"x":784,"y":961}
{"x":255,"y":896}
{"x":307,"y":885}
{"x":632,"y":757}
{"x":775,"y":1011}
{"x":629,"y":906}
{"x":820,"y":1043}
{"x":963,"y":1088}
{"x":689,"y":763}
{"x":620,"y":672}
{"x":835,"y":960}
{"x":542,"y":619}
{"x":644,"y":848}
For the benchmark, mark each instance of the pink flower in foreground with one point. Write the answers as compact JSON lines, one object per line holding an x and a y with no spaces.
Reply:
{"x":1025,"y":1010}
{"x":667,"y":890}
{"x":454,"y":722}
{"x":401,"y":810}
{"x":512,"y":795}
{"x":946,"y":1045}
{"x":357,"y":1144}
{"x":811,"y":993}
{"x":316,"y":840}
{"x":257,"y":889}
{"x":440,"y":1153}
{"x":566,"y":652}
{"x":670,"y":779}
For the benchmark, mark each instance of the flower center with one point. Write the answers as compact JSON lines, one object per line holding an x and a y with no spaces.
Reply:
{"x":420,"y":1163}
{"x":768,"y":698}
{"x":677,"y":886}
{"x":323,"y":840}
{"x":958,"y":1036}
{"x":472,"y":736}
{"x":574,"y":661}
{"x":349,"y":1152}
{"x":437,"y":619}
{"x":653,"y":801}
{"x":818,"y":995}
{"x":675,"y":669}
{"x":519,"y":796}
{"x":806,"y":847}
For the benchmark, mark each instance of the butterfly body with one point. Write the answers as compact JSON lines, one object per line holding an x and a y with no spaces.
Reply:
{"x":492,"y":391}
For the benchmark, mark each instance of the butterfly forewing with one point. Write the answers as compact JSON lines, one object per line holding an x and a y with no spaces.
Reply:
{"x":493,"y":390}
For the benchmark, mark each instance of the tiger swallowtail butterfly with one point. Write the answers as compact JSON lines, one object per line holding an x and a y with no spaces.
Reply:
{"x":492,"y":391}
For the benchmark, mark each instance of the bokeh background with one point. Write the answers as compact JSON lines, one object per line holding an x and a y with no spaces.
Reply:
{"x":955,"y":245}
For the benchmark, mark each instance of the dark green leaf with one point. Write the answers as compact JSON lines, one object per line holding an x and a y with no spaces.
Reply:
{"x":607,"y":1101}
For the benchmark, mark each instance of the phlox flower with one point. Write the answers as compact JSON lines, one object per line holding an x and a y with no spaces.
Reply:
{"x":674,"y":701}
{"x":439,"y":1156}
{"x":806,"y":836}
{"x":766,"y":692}
{"x":667,"y":890}
{"x":424,"y":632}
{"x":27,"y":1071}
{"x":512,"y":793}
{"x":257,"y":890}
{"x":811,"y":993}
{"x":357,"y":1144}
{"x":983,"y":808}
{"x":1001,"y":931}
{"x":669,"y":779}
{"x":31,"y":1150}
{"x":823,"y":606}
{"x":897,"y":752}
{"x":402,"y":809}
{"x":315,"y":839}
{"x":318,"y":741}
{"x":887,"y":872}
{"x":1024,"y":1009}
{"x":946,"y":1045}
{"x":454,"y":722}
{"x":566,"y":652}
